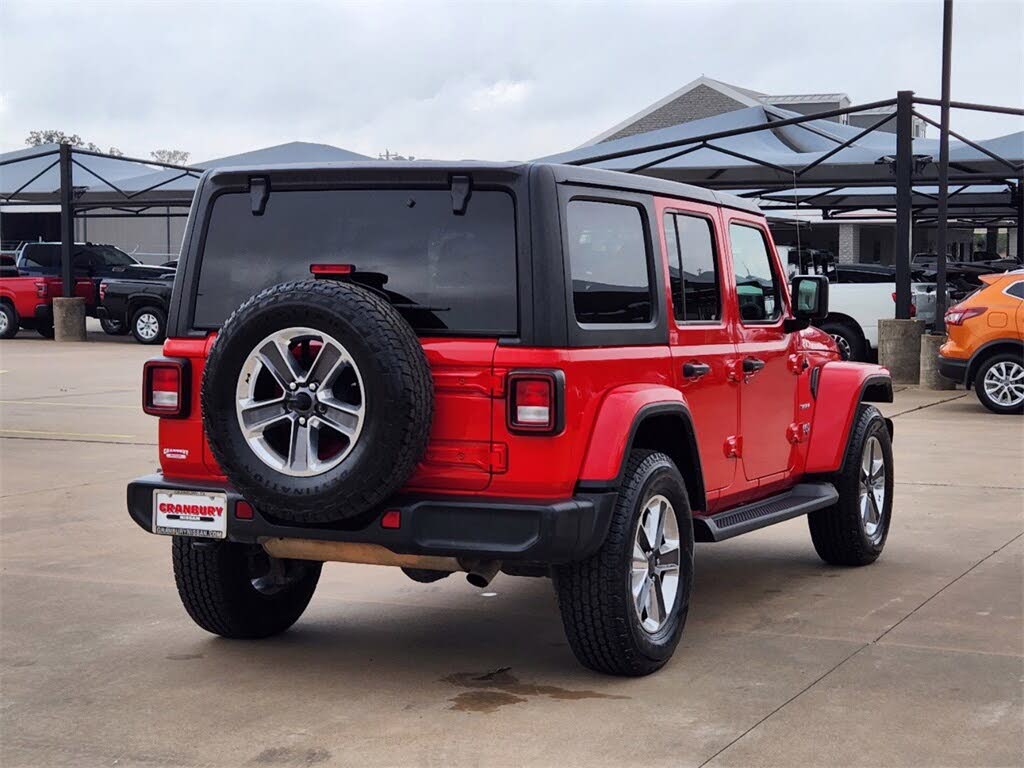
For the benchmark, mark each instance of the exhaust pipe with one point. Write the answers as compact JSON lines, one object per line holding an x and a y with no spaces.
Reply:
{"x":480,"y":572}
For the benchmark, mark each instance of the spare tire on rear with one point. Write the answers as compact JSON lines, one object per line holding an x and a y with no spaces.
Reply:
{"x":317,"y":401}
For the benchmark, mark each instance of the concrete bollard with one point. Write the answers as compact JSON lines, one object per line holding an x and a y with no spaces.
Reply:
{"x":930,"y":376}
{"x":69,"y":318}
{"x":899,"y":349}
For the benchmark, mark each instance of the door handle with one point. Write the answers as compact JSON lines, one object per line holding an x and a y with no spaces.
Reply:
{"x":752,"y":365}
{"x":695,"y":370}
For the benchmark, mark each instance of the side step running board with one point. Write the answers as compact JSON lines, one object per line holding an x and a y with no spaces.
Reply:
{"x":799,"y":500}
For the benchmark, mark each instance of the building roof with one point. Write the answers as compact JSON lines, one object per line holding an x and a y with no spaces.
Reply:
{"x":744,"y":96}
{"x":805,"y":98}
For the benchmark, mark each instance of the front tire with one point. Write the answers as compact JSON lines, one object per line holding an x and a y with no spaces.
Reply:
{"x":848,"y":338}
{"x":239,"y":591}
{"x":624,"y":608}
{"x":1000,"y":383}
{"x":853,"y":530}
{"x":8,"y":321}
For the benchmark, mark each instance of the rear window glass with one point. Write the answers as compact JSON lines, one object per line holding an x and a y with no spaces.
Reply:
{"x":444,"y":272}
{"x":42,"y":255}
{"x":608,"y":258}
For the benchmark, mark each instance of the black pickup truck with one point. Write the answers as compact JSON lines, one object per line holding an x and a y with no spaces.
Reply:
{"x":136,"y":306}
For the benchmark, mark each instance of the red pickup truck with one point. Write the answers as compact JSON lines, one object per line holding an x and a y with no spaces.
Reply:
{"x":27,"y":302}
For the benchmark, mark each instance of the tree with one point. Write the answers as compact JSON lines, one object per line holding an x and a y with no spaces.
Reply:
{"x":172,"y":156}
{"x":36,"y":138}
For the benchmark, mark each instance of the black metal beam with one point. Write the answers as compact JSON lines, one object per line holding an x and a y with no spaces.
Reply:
{"x":67,"y":220}
{"x":975,"y":107}
{"x":942,"y":215}
{"x":904,"y":200}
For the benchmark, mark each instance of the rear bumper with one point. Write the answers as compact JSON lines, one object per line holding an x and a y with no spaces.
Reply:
{"x":953,"y":368}
{"x":481,"y":528}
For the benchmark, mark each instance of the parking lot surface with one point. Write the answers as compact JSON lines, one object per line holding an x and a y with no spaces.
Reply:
{"x":916,"y":660}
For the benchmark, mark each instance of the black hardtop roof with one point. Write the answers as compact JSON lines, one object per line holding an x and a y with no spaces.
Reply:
{"x":567,"y":174}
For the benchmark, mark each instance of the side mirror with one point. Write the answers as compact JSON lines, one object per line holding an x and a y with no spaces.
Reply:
{"x":809,"y":295}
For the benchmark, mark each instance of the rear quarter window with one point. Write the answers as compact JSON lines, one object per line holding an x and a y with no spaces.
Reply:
{"x":611,"y":283}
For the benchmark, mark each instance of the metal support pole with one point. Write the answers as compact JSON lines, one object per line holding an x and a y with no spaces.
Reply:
{"x":943,"y":218}
{"x":1020,"y":221}
{"x":904,"y":195}
{"x":67,"y":220}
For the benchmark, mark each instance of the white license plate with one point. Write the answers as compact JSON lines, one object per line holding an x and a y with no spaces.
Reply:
{"x":190,"y":513}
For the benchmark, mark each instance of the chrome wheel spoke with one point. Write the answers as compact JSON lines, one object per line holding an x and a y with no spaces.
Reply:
{"x":329,"y":361}
{"x":257,"y":416}
{"x":279,"y":362}
{"x":340,"y":416}
{"x":301,"y":450}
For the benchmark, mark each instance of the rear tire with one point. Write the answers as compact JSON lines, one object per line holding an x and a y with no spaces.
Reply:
{"x":45,"y":329}
{"x":999,"y":383}
{"x":149,"y":325}
{"x":854,"y":529}
{"x":8,"y":321}
{"x":607,"y":629}
{"x":848,"y":338}
{"x":237,"y":590}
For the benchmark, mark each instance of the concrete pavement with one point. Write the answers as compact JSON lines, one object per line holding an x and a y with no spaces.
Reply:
{"x":916,"y":660}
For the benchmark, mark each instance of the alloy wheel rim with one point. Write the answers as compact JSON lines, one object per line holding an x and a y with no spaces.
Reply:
{"x":843,"y":344}
{"x":147,"y":326}
{"x":1004,"y":383}
{"x":300,"y":402}
{"x":872,"y":489}
{"x":654,"y":579}
{"x":3,"y":322}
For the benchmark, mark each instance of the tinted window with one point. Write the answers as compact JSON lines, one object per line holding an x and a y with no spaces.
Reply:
{"x":692,"y":269}
{"x":756,"y":286}
{"x":1017,"y":289}
{"x":608,"y":259}
{"x":444,"y":272}
{"x":41,"y":255}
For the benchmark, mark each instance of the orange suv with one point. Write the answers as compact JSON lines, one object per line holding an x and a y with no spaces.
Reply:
{"x":986,"y":342}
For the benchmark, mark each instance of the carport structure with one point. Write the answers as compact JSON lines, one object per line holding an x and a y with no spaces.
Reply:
{"x":88,"y":185}
{"x":800,"y":162}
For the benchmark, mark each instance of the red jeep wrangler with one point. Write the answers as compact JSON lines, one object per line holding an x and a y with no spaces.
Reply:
{"x":538,"y":369}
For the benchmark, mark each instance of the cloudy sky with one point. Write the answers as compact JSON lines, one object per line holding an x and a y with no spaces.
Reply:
{"x":463,"y":79}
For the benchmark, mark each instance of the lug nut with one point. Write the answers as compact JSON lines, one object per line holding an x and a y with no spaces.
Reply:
{"x":312,"y":386}
{"x":293,"y":385}
{"x":302,"y":420}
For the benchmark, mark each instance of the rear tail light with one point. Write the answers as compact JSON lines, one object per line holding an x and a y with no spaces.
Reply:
{"x":913,"y":304}
{"x":956,"y":315}
{"x":534,"y":401}
{"x":165,"y":387}
{"x":42,"y":289}
{"x":103,"y":290}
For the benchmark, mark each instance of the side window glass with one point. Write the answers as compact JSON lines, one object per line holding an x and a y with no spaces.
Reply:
{"x":757,"y":288}
{"x":1017,"y":289}
{"x":608,"y":260}
{"x":693,"y":271}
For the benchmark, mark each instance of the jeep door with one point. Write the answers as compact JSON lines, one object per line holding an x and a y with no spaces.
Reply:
{"x":701,"y":333}
{"x":768,"y":391}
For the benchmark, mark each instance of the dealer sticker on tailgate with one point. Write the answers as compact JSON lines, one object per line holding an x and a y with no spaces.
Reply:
{"x":190,"y":513}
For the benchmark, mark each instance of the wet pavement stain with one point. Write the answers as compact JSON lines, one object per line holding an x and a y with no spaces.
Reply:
{"x":500,"y":687}
{"x":484,"y":702}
